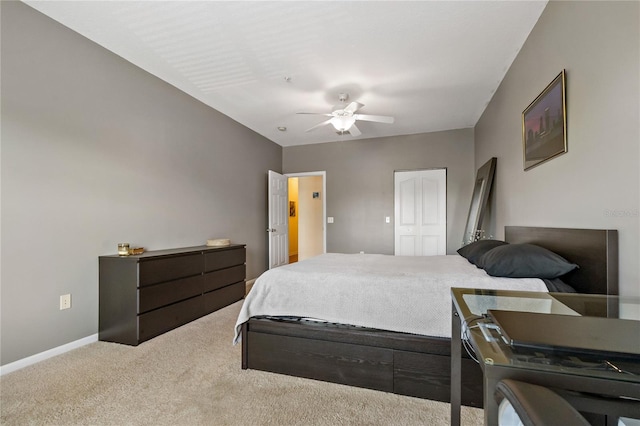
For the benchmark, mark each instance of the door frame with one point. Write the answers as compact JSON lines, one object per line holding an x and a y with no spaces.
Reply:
{"x":323,"y":198}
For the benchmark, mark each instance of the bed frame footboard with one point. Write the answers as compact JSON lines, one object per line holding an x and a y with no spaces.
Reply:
{"x":400,"y":363}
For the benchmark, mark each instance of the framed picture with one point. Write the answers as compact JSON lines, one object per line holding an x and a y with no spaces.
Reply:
{"x":544,"y":125}
{"x":292,"y":209}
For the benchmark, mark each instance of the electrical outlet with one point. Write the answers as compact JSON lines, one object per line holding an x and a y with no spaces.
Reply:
{"x":65,"y":301}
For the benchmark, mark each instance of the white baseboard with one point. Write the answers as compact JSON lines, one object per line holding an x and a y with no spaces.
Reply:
{"x":25,"y":362}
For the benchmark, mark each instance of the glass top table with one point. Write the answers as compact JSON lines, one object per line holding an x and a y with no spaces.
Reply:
{"x":472,"y":326}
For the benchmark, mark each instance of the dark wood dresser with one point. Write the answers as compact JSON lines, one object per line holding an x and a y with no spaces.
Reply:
{"x":142,"y":296}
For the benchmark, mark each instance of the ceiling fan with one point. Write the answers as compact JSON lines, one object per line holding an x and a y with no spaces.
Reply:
{"x":343,"y":118}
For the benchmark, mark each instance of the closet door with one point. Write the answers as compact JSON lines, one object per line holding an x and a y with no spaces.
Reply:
{"x":420,"y":212}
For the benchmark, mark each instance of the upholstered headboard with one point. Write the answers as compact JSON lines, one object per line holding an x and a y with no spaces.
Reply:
{"x":595,"y":251}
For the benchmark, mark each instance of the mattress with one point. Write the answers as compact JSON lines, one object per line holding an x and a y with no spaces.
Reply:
{"x":408,"y":294}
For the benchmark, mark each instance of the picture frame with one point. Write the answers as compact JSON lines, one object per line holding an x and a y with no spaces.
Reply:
{"x":544,"y":124}
{"x":292,"y":209}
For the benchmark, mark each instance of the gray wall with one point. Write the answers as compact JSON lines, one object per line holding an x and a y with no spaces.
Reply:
{"x":360,"y":183}
{"x":596,"y":184}
{"x":94,"y":152}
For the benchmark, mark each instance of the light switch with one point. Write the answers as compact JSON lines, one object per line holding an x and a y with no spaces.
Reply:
{"x":387,"y":219}
{"x":330,"y":219}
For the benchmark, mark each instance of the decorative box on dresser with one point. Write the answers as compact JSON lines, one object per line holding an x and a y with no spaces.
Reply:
{"x":143,"y":296}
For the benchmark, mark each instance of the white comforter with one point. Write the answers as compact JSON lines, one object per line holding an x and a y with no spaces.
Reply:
{"x":410,"y":294}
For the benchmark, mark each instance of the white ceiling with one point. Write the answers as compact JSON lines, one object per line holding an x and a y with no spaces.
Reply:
{"x":433,"y":65}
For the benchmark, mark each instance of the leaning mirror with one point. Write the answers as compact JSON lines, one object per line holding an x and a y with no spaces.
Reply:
{"x":479,"y":199}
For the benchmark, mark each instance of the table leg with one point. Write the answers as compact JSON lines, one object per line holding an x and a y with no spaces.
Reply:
{"x":489,"y":401}
{"x":456,"y":376}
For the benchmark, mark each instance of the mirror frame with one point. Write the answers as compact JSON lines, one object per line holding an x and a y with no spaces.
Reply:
{"x":481,"y":191}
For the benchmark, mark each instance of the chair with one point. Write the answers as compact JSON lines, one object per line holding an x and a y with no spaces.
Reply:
{"x":532,"y":405}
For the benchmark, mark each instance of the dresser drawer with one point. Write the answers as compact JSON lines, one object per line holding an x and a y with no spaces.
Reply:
{"x":170,"y":268}
{"x":157,"y":322}
{"x":155,"y":296}
{"x":223,"y":259}
{"x":223,"y":277}
{"x":217,"y":299}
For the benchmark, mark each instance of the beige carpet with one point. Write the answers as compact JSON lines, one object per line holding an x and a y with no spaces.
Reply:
{"x":192,"y":376}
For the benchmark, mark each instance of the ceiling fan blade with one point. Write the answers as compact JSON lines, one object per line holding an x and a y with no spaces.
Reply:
{"x":316,"y":113}
{"x":319,"y":125}
{"x":376,"y":118}
{"x":354,"y":130}
{"x":353,"y":107}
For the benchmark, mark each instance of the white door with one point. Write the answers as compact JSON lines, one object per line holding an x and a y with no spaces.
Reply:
{"x":420,"y":212}
{"x":278,"y":227}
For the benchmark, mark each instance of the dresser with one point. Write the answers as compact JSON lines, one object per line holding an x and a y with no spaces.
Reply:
{"x":143,"y":296}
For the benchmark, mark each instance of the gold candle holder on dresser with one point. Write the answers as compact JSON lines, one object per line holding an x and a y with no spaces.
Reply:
{"x":123,"y":249}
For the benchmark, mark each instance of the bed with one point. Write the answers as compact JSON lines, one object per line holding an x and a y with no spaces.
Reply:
{"x":406,"y":359}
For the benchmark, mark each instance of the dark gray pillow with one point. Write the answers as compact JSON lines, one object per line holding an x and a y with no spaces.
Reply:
{"x":556,"y":285}
{"x":474,"y":251}
{"x":524,"y":261}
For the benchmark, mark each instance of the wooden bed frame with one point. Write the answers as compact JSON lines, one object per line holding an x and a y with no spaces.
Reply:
{"x":409,"y":364}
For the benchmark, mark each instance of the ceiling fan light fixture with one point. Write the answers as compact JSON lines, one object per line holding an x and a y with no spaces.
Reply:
{"x":344,"y":117}
{"x":343,"y":123}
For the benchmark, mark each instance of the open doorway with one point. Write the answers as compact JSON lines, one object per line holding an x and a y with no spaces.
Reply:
{"x":307,"y":234}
